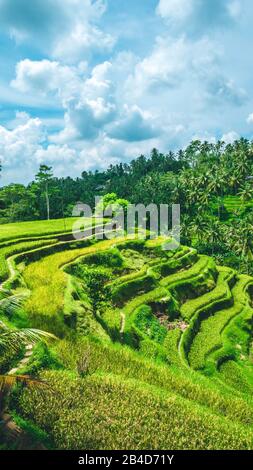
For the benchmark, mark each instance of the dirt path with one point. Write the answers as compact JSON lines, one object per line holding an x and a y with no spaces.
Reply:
{"x":14,"y":435}
{"x":24,"y":360}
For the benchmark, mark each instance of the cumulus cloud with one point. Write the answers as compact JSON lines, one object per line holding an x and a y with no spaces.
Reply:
{"x":55,"y":154}
{"x":89,"y":117}
{"x":224,"y":89}
{"x":101,"y":109}
{"x":63,"y":29}
{"x":25,"y":147}
{"x":164,"y":66}
{"x":105,"y":151}
{"x":230,"y":137}
{"x":175,"y":10}
{"x":135,"y":126}
{"x":18,"y":146}
{"x":250,"y":118}
{"x":173,"y":62}
{"x":87,"y":100}
{"x":81,"y":41}
{"x":199,"y":15}
{"x":46,"y":77}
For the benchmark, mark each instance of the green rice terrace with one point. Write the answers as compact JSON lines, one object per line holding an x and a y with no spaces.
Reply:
{"x":149,"y":349}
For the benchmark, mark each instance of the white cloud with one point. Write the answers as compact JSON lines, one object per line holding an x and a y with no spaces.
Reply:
{"x":81,"y":41}
{"x":234,"y":9}
{"x":105,"y":151}
{"x":87,"y":101}
{"x":174,"y":63}
{"x":222,"y":89}
{"x":134,"y":126}
{"x":230,"y":137}
{"x":55,"y":154}
{"x":47,"y":78}
{"x":19,"y":145}
{"x":24,"y":148}
{"x":175,"y":10}
{"x":164,"y":66}
{"x":65,"y":30}
{"x":199,"y":17}
{"x":92,"y":108}
{"x":250,"y":118}
{"x":89,"y":117}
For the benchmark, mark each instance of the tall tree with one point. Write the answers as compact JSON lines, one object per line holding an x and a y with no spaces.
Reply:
{"x":43,"y":177}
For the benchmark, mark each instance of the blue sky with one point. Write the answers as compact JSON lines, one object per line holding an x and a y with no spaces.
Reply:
{"x":87,"y":83}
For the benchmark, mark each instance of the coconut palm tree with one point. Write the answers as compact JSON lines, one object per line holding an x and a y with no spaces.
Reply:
{"x":214,"y":234}
{"x":10,"y":341}
{"x":242,"y":165}
{"x":246,"y":193}
{"x":242,"y":240}
{"x":233,"y":182}
{"x":199,"y":227}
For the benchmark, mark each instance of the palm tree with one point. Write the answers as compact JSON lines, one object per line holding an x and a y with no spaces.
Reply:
{"x":11,"y":340}
{"x":185,"y":229}
{"x":205,"y":198}
{"x":216,"y":186}
{"x":242,"y":165}
{"x":199,"y":227}
{"x":246,"y":193}
{"x":214,"y":232}
{"x":242,"y":240}
{"x":233,"y":182}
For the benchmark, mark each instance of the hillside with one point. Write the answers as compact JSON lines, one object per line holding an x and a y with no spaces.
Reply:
{"x":153,"y":347}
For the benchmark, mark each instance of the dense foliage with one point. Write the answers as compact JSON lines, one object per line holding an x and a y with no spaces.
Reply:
{"x":154,"y":347}
{"x":153,"y":341}
{"x":212,"y":182}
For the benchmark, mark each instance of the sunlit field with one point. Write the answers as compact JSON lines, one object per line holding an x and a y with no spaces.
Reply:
{"x":38,"y":228}
{"x":151,"y":348}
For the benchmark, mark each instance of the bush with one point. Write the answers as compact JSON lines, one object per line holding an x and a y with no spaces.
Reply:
{"x":147,"y":324}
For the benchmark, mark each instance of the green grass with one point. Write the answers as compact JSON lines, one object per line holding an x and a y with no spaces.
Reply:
{"x":205,"y":307}
{"x":221,"y":291}
{"x":122,"y":377}
{"x":235,"y":327}
{"x":39,"y":228}
{"x":46,"y":280}
{"x":107,"y":406}
{"x":7,"y":251}
{"x":171,"y":344}
{"x":200,"y":271}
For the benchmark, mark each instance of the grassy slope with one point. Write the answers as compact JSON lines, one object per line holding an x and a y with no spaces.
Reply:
{"x":38,"y":228}
{"x":119,"y":388}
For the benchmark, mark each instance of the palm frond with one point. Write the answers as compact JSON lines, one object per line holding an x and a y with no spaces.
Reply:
{"x":9,"y":304}
{"x":13,"y":339}
{"x":8,"y":381}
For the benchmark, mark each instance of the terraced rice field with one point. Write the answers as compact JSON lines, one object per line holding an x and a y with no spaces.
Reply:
{"x":154,"y":347}
{"x":233,"y":204}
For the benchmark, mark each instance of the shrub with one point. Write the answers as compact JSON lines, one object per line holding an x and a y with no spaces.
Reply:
{"x":147,"y":324}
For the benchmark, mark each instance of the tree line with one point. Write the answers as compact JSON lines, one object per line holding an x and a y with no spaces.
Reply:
{"x":199,"y":177}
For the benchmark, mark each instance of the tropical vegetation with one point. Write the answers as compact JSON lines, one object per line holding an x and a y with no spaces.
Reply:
{"x":131,"y":346}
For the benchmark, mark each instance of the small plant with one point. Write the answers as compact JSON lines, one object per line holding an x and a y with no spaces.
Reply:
{"x":84,"y":363}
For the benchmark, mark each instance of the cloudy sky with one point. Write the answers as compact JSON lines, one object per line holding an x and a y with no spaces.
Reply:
{"x":85,"y":83}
